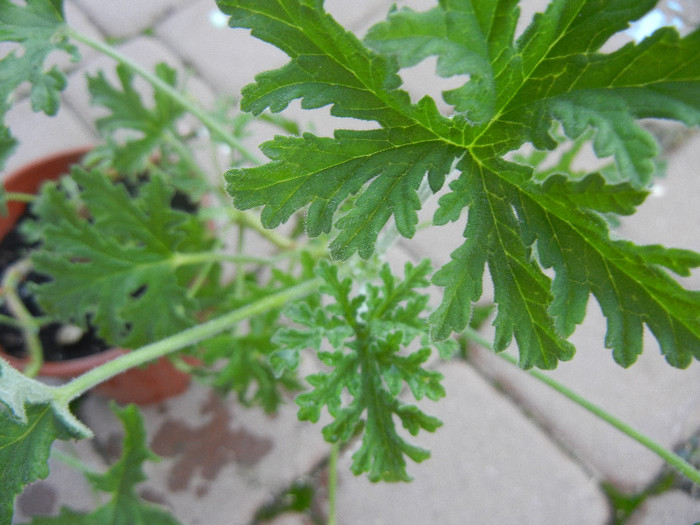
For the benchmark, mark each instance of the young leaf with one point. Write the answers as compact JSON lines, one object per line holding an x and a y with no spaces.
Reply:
{"x":120,"y":480}
{"x":553,"y":77}
{"x":128,"y":112}
{"x":366,"y":362}
{"x":30,"y":421}
{"x":120,"y":269}
{"x":37,"y":27}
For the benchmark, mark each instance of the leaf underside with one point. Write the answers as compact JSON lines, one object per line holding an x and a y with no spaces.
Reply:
{"x":517,"y":92}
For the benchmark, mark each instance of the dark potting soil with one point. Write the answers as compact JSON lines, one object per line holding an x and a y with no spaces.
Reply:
{"x":12,"y":248}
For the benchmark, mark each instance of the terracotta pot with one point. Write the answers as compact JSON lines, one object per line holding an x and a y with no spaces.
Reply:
{"x":150,"y":384}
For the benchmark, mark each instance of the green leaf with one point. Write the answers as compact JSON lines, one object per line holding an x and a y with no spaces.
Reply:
{"x":371,"y":364}
{"x":120,"y":481}
{"x":31,"y":419}
{"x":37,"y":29}
{"x":593,"y":193}
{"x":552,"y":78}
{"x":120,"y":269}
{"x":128,"y":112}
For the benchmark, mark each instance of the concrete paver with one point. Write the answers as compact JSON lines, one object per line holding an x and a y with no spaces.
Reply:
{"x":220,"y":460}
{"x":228,"y":58}
{"x":489,"y":464}
{"x":126,"y":18}
{"x":670,"y":508}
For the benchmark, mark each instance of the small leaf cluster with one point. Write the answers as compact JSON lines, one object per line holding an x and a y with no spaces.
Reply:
{"x":241,"y":358}
{"x":369,"y":334}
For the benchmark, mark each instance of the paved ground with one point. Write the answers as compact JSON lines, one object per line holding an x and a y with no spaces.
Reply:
{"x":510,"y":451}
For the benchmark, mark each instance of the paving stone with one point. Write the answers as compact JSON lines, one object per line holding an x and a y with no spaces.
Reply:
{"x":489,"y":464}
{"x":221,"y":461}
{"x":228,"y":58}
{"x":126,"y":18}
{"x":670,"y":508}
{"x":360,"y":15}
{"x":657,"y":399}
{"x":147,"y":52}
{"x":64,"y":487}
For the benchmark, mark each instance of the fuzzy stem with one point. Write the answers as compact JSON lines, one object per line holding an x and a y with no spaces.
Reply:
{"x":20,"y":197}
{"x":253,"y":222}
{"x":671,"y":458}
{"x":181,"y":340}
{"x":333,"y":482}
{"x":28,"y":325}
{"x":210,"y":122}
{"x":182,"y":259}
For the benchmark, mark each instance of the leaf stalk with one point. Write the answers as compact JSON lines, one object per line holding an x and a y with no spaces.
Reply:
{"x":27,"y":324}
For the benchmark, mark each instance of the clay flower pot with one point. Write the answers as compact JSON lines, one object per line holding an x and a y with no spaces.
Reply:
{"x":150,"y":384}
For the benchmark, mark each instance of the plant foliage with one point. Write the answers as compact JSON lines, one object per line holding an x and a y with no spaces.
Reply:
{"x":367,"y":333}
{"x":518,"y":91}
{"x":36,"y":27}
{"x":30,"y":420}
{"x":120,"y":480}
{"x":120,"y":269}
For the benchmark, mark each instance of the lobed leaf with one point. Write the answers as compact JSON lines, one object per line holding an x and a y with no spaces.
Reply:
{"x":128,"y":112}
{"x":552,"y":77}
{"x":369,"y":366}
{"x":119,"y":270}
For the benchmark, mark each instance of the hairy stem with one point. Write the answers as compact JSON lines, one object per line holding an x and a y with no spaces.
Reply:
{"x":20,"y":197}
{"x":333,"y":482}
{"x":253,"y":222}
{"x":671,"y":458}
{"x":28,"y":325}
{"x":181,"y":340}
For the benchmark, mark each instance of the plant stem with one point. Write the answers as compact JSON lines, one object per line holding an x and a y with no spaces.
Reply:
{"x":20,"y":197}
{"x":181,"y":259}
{"x":253,"y":222}
{"x":332,"y":482}
{"x":181,"y":340}
{"x":673,"y":459}
{"x":217,"y":129}
{"x":28,"y":325}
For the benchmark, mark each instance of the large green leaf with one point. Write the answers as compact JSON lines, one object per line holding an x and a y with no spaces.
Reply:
{"x":517,"y":92}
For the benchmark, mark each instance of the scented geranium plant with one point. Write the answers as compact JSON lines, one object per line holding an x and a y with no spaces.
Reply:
{"x":168,"y":285}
